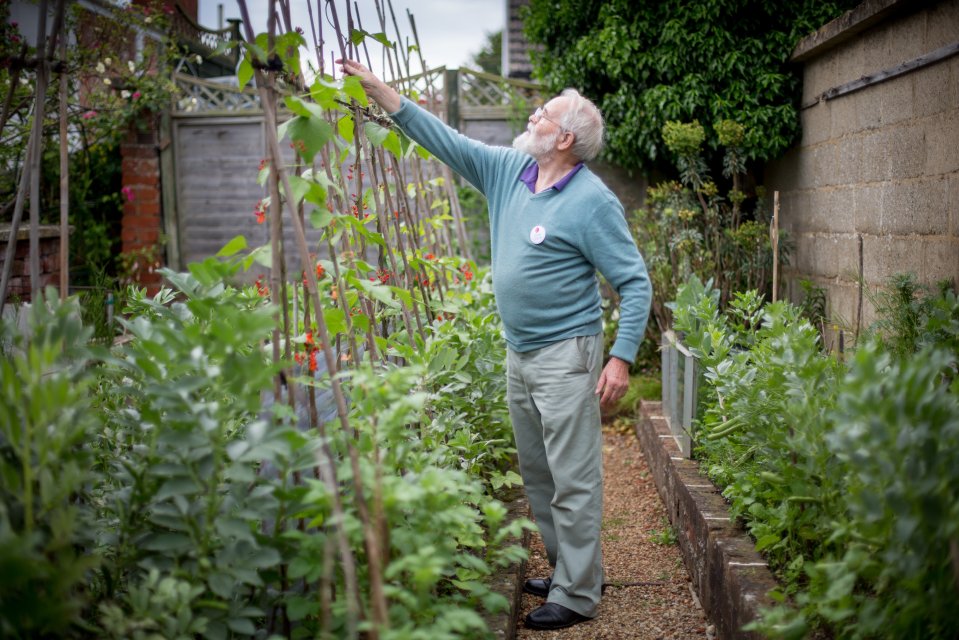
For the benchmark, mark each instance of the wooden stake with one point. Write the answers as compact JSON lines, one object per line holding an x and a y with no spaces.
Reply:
{"x":774,"y":237}
{"x":64,"y":179}
{"x":42,"y":75}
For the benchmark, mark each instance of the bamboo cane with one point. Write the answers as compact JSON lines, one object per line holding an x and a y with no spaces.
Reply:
{"x":64,"y":179}
{"x":349,"y":566}
{"x":775,"y":243}
{"x":42,"y":78}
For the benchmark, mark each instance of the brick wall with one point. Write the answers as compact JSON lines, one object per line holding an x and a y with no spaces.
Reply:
{"x":142,"y":222}
{"x":877,"y":167}
{"x":19,"y":288}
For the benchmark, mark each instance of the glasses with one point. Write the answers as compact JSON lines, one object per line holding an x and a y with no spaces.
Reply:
{"x":541,"y":113}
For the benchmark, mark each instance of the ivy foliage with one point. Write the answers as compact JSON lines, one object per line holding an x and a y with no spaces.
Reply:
{"x":646,"y":63}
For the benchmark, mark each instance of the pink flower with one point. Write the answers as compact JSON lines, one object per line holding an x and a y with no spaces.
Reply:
{"x":136,"y":94}
{"x":128,"y":192}
{"x":89,"y":114}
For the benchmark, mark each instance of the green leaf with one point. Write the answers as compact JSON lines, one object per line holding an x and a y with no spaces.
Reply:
{"x":302,"y":108}
{"x":244,"y":73}
{"x":320,"y":218}
{"x":176,"y":487}
{"x":238,"y":243}
{"x":392,"y":144}
{"x":298,"y":607}
{"x":345,"y":127}
{"x":357,"y":36}
{"x":221,"y":584}
{"x":311,"y":132}
{"x":767,"y":541}
{"x":375,"y":133}
{"x":382,"y":39}
{"x":264,"y":558}
{"x":374,"y":290}
{"x":335,"y":320}
{"x":360,"y":322}
{"x":263,"y":256}
{"x":403,"y":294}
{"x":353,"y":88}
{"x":241,"y":625}
{"x":167,"y":542}
{"x":421,"y":152}
{"x":303,"y":188}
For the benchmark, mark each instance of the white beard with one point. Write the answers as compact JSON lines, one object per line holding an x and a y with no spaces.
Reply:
{"x":540,"y":147}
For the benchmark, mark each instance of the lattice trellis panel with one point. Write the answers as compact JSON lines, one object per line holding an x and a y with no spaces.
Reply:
{"x":429,"y":87}
{"x":202,"y":96}
{"x":484,"y":95}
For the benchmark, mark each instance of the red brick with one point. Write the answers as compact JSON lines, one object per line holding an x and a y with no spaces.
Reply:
{"x":139,"y":151}
{"x":145,"y":193}
{"x":136,"y":166}
{"x":50,"y":279}
{"x":151,"y":209}
{"x":142,"y":181}
{"x":50,"y":263}
{"x":141,"y":222}
{"x":147,"y":237}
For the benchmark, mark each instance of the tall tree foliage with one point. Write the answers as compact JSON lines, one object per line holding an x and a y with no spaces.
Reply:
{"x":646,"y":62}
{"x":489,"y":58}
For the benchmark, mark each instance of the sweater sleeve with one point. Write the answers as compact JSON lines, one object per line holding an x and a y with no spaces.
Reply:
{"x":609,"y":246}
{"x":471,"y":159}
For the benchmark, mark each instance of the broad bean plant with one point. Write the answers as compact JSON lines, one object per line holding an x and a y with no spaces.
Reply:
{"x":159,"y":490}
{"x":845,"y":472}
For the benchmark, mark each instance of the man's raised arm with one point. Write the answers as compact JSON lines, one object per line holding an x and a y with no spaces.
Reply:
{"x":380,"y":92}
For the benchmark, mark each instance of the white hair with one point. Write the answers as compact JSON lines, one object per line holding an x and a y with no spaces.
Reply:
{"x":584,"y":120}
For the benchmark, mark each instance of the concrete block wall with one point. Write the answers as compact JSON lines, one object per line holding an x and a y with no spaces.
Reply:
{"x":880,"y":163}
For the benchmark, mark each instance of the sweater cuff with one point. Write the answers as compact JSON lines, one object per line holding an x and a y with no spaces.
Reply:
{"x":403,"y":113}
{"x":624,"y":350}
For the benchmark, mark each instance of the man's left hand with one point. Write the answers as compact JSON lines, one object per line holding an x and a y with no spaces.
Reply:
{"x":613,"y":382}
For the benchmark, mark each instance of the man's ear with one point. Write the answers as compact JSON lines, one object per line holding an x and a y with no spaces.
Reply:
{"x":566,"y":140}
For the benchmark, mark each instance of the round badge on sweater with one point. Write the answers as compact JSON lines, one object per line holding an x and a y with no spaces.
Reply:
{"x":537,"y":234}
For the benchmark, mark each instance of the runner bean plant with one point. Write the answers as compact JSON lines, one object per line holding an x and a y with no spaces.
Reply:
{"x":319,"y":454}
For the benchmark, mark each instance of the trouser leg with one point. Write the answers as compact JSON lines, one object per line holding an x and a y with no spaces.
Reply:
{"x":556,"y":421}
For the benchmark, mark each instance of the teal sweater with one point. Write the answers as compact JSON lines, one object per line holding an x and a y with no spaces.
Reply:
{"x":546,"y":291}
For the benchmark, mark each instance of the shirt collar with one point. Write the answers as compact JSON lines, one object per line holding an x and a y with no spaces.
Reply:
{"x":531,"y":173}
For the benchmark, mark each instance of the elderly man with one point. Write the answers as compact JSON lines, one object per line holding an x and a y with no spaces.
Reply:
{"x":553,"y":223}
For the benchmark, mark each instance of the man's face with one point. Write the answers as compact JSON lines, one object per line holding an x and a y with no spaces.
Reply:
{"x":543,"y":130}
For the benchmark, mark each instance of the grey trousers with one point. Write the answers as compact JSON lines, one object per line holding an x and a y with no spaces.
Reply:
{"x":556,"y":420}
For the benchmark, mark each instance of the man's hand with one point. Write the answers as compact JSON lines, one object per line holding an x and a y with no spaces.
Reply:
{"x":613,"y":382}
{"x":380,"y":92}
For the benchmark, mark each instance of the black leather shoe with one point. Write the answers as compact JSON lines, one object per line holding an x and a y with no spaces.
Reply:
{"x":538,"y":586}
{"x":553,"y":616}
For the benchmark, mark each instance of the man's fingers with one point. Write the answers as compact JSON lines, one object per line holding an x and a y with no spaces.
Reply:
{"x":611,"y":392}
{"x":601,"y":383}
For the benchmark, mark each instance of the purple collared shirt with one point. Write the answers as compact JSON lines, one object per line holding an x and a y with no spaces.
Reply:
{"x":529,"y":176}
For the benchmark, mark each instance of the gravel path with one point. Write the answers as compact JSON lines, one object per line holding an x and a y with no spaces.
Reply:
{"x":638,"y":547}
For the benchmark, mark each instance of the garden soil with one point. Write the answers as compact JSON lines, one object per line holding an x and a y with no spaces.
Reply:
{"x":649,"y":594}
